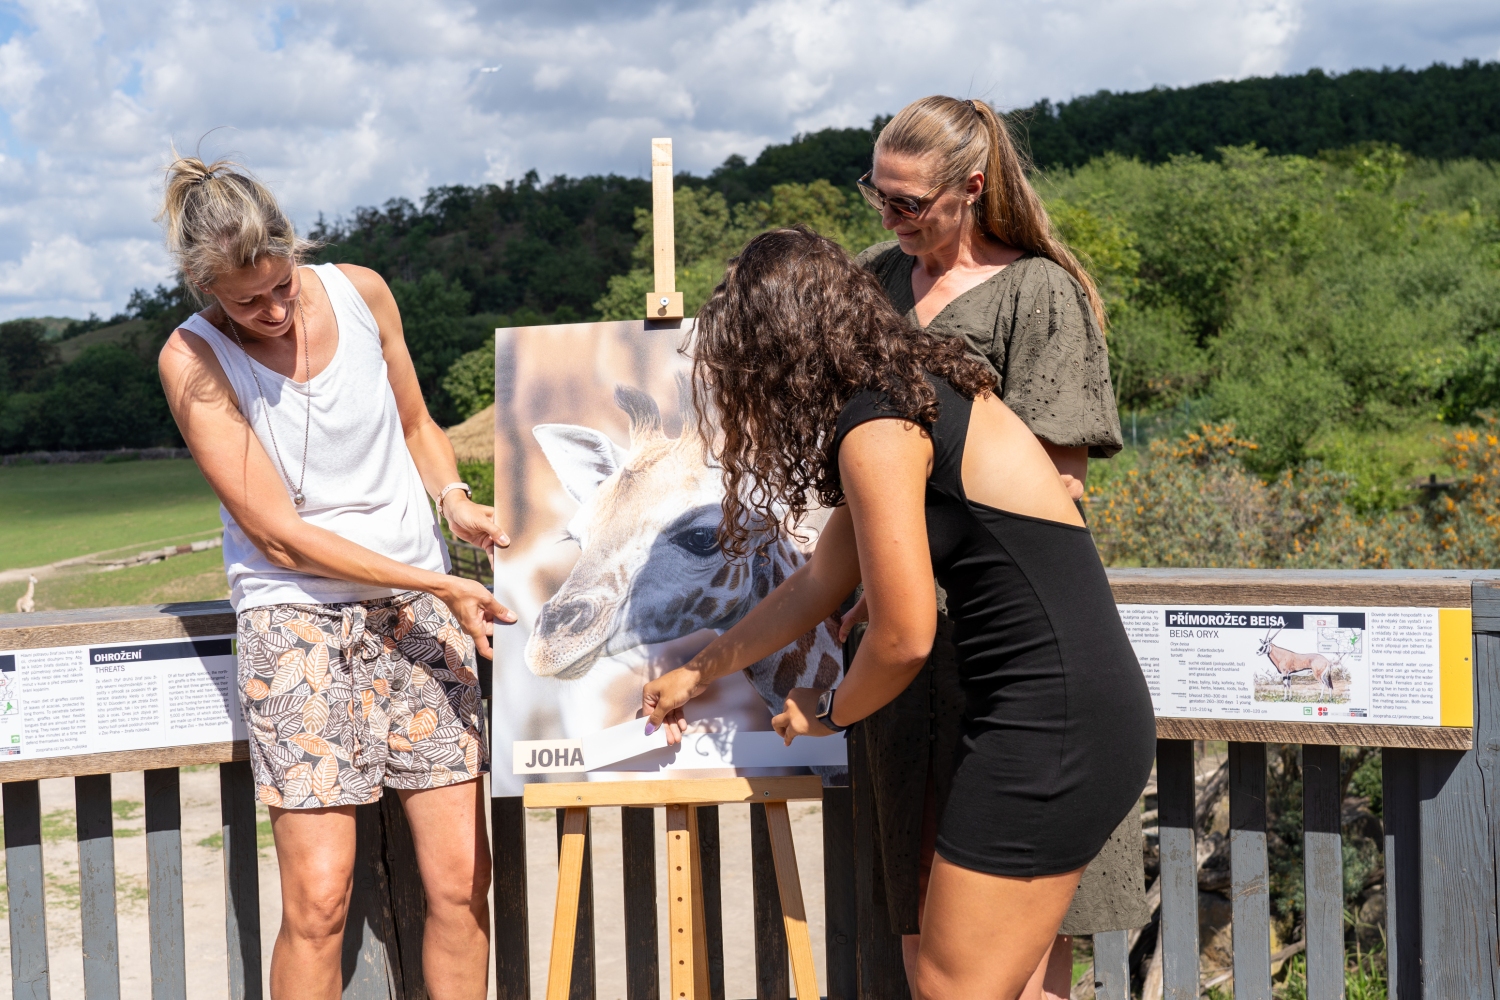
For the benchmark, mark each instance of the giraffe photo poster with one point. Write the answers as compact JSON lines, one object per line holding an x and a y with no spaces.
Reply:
{"x":615,"y":573}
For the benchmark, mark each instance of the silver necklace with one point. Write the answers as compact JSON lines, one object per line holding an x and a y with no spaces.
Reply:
{"x":298,"y":497}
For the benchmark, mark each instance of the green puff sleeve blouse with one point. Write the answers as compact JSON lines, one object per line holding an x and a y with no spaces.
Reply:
{"x":1031,"y":322}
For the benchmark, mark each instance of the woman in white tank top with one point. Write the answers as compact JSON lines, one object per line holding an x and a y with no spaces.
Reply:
{"x":295,"y":392}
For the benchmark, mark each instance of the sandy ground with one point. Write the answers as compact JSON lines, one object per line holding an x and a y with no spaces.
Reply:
{"x":203,"y":890}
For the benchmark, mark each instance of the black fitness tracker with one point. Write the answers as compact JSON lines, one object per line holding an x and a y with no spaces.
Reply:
{"x":824,"y":713}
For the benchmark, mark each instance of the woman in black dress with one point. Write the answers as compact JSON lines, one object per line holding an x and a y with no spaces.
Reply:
{"x":825,"y":395}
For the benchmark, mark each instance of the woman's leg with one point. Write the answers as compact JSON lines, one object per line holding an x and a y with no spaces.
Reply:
{"x":315,"y":849}
{"x":453,"y":855}
{"x":1053,"y":978}
{"x":983,"y":936}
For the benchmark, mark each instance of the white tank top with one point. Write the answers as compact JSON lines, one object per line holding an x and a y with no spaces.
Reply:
{"x":361,"y":481}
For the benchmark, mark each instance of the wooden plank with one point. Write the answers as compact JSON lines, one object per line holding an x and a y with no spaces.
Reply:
{"x":1112,"y":966}
{"x":1179,"y":869}
{"x":42,"y":629}
{"x":512,"y":931}
{"x":1317,"y":733}
{"x":1250,"y":879}
{"x":406,"y":898}
{"x":1457,"y":877}
{"x":1436,"y":588}
{"x":164,"y":884}
{"x":713,"y":898}
{"x":772,"y":977}
{"x":1487,"y":732}
{"x":1403,"y":866}
{"x":565,"y":914}
{"x":241,"y":880}
{"x":663,"y":236}
{"x":879,"y":968}
{"x":1322,"y":872}
{"x":840,"y":918}
{"x":583,"y":942}
{"x":699,"y":910}
{"x":677,"y":791}
{"x":371,"y":957}
{"x":29,"y":975}
{"x":93,"y":807}
{"x":793,"y":910}
{"x":683,"y":972}
{"x":638,"y":855}
{"x":124,"y":760}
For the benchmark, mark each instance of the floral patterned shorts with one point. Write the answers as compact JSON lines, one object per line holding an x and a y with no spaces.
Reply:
{"x":341,"y":699}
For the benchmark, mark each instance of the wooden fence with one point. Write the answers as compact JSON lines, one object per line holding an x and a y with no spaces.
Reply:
{"x":1442,"y":825}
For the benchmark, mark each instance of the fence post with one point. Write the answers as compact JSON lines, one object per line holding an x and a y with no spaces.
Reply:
{"x":772,"y":980}
{"x":512,"y":930}
{"x":881,"y":974}
{"x":29,"y":977}
{"x":164,"y":879}
{"x":638,"y":852}
{"x":96,"y":886}
{"x":1323,"y":872}
{"x":1403,"y":873}
{"x":1175,"y":792}
{"x":841,"y":920}
{"x":241,"y":879}
{"x":1249,"y":871}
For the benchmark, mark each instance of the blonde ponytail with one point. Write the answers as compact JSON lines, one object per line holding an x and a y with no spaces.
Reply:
{"x":965,"y":136}
{"x":218,"y":219}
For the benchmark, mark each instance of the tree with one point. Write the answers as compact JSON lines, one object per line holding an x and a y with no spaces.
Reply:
{"x":26,"y":357}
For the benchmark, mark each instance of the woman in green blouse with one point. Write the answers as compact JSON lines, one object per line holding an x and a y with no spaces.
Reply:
{"x":975,"y":257}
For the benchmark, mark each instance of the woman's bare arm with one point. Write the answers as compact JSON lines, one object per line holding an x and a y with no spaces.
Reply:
{"x":242,"y":475}
{"x":800,"y":604}
{"x":430,"y":448}
{"x":883,"y":465}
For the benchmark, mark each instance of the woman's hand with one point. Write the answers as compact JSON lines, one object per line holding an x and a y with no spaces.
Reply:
{"x":473,"y":522}
{"x":476,"y":609}
{"x":800,"y":717}
{"x":663,"y":698}
{"x":859,"y":613}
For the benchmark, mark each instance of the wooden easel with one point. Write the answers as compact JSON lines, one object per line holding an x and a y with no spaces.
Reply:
{"x":681,"y":797}
{"x":666,"y":301}
{"x":688,"y":950}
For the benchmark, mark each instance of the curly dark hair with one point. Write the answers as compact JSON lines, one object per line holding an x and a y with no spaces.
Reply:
{"x":795,"y":330}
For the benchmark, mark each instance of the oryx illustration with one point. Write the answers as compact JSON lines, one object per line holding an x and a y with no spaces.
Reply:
{"x":1288,"y":663}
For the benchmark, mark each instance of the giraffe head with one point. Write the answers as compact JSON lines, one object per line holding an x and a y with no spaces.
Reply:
{"x":651,"y":569}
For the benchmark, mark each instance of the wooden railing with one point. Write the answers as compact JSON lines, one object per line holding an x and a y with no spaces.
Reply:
{"x":1441,"y":828}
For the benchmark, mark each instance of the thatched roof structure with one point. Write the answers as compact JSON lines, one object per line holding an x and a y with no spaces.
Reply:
{"x":474,"y":439}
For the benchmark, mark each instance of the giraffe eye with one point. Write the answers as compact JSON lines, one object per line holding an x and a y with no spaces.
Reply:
{"x":698,"y":541}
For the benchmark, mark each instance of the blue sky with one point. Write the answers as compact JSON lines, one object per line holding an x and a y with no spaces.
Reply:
{"x":340,"y":104}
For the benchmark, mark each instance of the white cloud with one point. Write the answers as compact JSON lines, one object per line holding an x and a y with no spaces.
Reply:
{"x":339,"y":105}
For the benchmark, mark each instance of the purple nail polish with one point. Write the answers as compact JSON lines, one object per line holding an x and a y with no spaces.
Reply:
{"x":650,"y":729}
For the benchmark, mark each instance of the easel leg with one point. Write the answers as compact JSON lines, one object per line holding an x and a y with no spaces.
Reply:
{"x":565,"y":917}
{"x":700,"y":917}
{"x":793,"y":913}
{"x":688,"y":953}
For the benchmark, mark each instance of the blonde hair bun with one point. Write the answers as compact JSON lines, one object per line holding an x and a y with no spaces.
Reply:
{"x":218,"y":218}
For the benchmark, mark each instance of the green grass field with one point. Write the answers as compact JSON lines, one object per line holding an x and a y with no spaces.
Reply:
{"x":50,"y":513}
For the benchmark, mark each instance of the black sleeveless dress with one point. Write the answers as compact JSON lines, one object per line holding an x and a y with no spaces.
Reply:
{"x":1059,"y":733}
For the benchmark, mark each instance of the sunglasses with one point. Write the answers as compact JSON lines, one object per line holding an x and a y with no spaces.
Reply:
{"x":904,"y":206}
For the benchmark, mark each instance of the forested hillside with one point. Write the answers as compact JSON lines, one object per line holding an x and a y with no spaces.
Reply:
{"x":1330,"y":278}
{"x":1442,"y":112}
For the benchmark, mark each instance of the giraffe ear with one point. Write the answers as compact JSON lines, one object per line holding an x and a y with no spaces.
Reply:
{"x":581,"y":456}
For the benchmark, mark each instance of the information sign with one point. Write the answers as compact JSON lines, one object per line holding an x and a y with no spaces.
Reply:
{"x":67,"y":700}
{"x":1383,"y":666}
